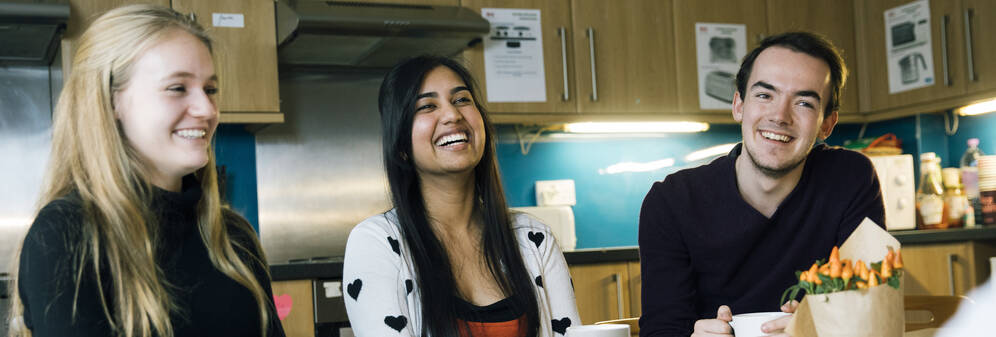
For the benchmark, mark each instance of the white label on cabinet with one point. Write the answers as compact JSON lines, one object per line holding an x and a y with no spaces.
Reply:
{"x":719,"y":47}
{"x":908,"y":47}
{"x":233,"y":20}
{"x":513,"y":56}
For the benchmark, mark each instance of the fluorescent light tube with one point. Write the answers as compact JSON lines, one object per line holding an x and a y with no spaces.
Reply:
{"x":978,"y":108}
{"x":635,"y":127}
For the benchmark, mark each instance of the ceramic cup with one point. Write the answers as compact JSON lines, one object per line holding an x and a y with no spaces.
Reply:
{"x":601,"y":330}
{"x":749,"y":325}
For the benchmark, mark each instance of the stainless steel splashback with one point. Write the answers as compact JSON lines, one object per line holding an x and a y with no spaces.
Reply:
{"x":26,"y":102}
{"x":320,"y":172}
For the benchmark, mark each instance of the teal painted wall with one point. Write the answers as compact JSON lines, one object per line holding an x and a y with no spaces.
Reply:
{"x":608,"y":205}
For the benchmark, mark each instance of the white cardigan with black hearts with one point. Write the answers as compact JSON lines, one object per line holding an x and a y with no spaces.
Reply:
{"x":378,"y":275}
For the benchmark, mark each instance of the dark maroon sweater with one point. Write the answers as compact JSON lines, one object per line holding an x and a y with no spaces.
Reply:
{"x":702,"y":245}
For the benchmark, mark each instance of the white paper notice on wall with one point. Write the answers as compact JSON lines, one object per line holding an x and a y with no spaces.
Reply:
{"x":513,"y":56}
{"x":719,"y":48}
{"x":908,"y":47}
{"x":231,"y":20}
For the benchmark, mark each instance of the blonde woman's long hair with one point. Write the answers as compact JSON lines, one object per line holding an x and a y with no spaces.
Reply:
{"x":91,"y":157}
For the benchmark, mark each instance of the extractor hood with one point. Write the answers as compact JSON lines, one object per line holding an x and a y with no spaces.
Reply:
{"x":339,"y":33}
{"x":30,"y":31}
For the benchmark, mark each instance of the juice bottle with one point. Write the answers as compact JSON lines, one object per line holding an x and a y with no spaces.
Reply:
{"x":931,"y":213}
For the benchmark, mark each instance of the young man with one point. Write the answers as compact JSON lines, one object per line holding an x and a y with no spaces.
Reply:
{"x":727,"y":237}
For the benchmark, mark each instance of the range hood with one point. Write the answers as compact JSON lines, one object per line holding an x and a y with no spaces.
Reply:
{"x":30,"y":32}
{"x":338,"y":33}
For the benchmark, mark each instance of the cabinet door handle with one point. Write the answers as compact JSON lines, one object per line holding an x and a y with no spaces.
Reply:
{"x":563,"y":55}
{"x":617,"y":278}
{"x":951,"y":274}
{"x":968,"y":44}
{"x":591,"y":54}
{"x":944,"y":49}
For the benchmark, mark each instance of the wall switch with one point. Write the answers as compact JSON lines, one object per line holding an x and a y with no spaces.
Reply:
{"x":555,"y":193}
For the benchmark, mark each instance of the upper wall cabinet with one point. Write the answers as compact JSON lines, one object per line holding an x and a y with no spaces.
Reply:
{"x":625,"y":56}
{"x":414,"y":2}
{"x":689,"y":12}
{"x":601,"y":57}
{"x":981,"y":43}
{"x":245,"y":57}
{"x":832,"y":19}
{"x":948,"y":49}
{"x":557,"y":57}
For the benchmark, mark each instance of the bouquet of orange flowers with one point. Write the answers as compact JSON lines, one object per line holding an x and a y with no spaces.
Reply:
{"x":834,"y":275}
{"x":854,"y":299}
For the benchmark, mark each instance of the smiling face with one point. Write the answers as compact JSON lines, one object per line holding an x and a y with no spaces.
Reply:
{"x":447,"y":131}
{"x":167,"y":110}
{"x":782,"y":114}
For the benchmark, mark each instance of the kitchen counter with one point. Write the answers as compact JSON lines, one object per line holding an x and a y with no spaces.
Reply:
{"x":332,"y":268}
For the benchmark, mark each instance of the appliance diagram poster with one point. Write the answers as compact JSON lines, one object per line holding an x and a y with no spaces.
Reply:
{"x":513,"y":56}
{"x":719,"y":48}
{"x":907,"y":45}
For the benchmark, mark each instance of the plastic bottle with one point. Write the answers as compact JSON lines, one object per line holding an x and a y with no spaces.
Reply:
{"x":931,"y":212}
{"x":970,"y":177}
{"x":970,"y":169}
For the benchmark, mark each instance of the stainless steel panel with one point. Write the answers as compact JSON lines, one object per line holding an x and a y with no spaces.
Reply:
{"x":320,"y":172}
{"x":25,"y":137}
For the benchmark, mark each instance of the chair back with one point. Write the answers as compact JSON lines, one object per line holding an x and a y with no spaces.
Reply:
{"x":924,"y":312}
{"x":634,"y":324}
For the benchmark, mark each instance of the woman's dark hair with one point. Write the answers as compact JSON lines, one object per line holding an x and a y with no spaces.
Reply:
{"x":803,"y":42}
{"x":434,"y":273}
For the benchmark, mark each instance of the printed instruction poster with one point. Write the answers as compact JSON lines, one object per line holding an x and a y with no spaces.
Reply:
{"x":907,"y":45}
{"x":513,"y":56}
{"x":719,"y":48}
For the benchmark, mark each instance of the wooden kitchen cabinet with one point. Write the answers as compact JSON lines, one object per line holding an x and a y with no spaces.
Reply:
{"x":413,"y":2}
{"x":296,"y":298}
{"x":556,"y":34}
{"x":245,"y":58}
{"x":832,"y":19}
{"x":933,"y":269}
{"x":633,"y":46}
{"x":873,"y":63}
{"x":689,"y":12}
{"x":601,"y":290}
{"x":635,"y":288}
{"x":982,"y":26}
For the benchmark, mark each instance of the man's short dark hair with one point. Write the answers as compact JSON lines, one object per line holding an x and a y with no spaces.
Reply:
{"x":803,"y":42}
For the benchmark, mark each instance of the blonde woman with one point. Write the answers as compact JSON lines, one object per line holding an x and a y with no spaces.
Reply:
{"x":132,"y":239}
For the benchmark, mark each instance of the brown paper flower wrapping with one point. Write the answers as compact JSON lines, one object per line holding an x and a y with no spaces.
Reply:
{"x":874,"y":312}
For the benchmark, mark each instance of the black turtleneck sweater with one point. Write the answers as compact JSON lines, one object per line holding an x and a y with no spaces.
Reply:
{"x":211,"y":303}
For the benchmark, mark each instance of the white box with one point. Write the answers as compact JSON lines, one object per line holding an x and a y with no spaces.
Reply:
{"x":895,"y":176}
{"x":555,"y":193}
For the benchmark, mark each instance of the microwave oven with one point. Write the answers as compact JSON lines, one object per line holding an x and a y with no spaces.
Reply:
{"x":895,"y":176}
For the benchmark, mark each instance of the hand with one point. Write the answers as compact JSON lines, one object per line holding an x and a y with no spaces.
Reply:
{"x":778,"y":326}
{"x":715,"y":327}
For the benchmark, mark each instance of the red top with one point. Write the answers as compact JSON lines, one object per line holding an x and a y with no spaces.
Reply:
{"x":513,"y":328}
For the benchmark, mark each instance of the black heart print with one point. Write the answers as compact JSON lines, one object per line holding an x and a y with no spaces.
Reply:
{"x":560,"y":325}
{"x":354,"y":289}
{"x":536,"y":238}
{"x":394,"y":245}
{"x":409,"y":285}
{"x":539,"y":281}
{"x":398,"y":322}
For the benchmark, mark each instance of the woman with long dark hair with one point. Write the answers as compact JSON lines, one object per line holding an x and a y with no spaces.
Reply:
{"x":449,"y":259}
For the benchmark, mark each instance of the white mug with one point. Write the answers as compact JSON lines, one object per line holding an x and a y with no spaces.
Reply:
{"x":601,"y":330}
{"x":749,"y":325}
